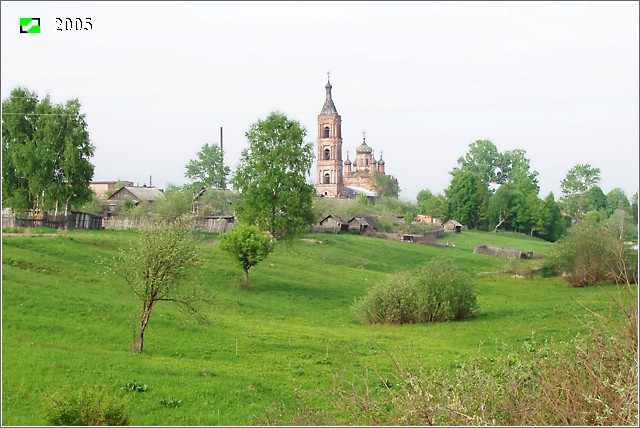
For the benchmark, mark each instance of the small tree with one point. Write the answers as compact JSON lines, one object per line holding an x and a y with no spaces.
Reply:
{"x":247,"y":245}
{"x":155,"y":267}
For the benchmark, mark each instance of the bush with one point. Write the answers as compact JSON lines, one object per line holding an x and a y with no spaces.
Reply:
{"x":437,"y":292}
{"x":85,"y":407}
{"x":591,"y":253}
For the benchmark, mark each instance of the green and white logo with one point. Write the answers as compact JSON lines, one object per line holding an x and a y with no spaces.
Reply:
{"x":30,"y":25}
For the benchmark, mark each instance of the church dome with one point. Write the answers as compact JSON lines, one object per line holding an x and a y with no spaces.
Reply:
{"x":347,"y":162}
{"x":364,"y":148}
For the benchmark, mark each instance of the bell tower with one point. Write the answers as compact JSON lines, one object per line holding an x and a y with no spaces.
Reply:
{"x":330,"y":164}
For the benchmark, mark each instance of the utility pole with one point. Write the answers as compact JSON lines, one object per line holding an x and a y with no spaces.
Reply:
{"x":221,"y":142}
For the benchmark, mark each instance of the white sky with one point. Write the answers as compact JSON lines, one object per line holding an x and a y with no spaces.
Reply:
{"x":157,"y":80}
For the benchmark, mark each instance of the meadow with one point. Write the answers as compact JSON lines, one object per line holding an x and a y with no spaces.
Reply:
{"x":269,"y":351}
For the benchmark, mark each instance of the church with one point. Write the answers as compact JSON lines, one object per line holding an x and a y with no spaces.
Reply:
{"x":338,"y":179}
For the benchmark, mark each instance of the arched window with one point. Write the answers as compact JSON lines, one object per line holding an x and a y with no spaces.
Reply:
{"x":326,"y":132}
{"x":327,"y":154}
{"x":327,"y":178}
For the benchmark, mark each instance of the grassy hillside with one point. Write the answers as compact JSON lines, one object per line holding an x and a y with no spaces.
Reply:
{"x":65,"y":324}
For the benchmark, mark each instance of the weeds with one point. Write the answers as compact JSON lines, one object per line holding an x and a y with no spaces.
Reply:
{"x":170,"y":402}
{"x":85,"y":406}
{"x":133,"y":386}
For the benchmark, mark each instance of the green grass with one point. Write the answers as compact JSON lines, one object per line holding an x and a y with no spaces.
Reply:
{"x":65,"y":324}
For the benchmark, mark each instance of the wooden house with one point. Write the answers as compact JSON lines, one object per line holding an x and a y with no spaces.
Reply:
{"x":133,"y":194}
{"x":453,"y":226}
{"x":362,"y":224}
{"x":332,"y":223}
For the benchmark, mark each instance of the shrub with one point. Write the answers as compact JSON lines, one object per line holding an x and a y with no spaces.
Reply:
{"x":437,"y":292}
{"x":85,"y":406}
{"x":591,"y":253}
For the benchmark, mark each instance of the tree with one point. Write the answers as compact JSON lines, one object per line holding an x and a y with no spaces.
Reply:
{"x":208,"y":170}
{"x":493,"y":168}
{"x":484,"y":161}
{"x":423,"y":195}
{"x":45,"y":153}
{"x":247,"y":245}
{"x":435,"y":206}
{"x":575,"y":185}
{"x":594,"y":199}
{"x":468,"y":199}
{"x":634,"y":207}
{"x":548,"y":222}
{"x":517,"y":170}
{"x":271,"y":177}
{"x":503,"y":207}
{"x":155,"y":268}
{"x":217,"y":202}
{"x":177,"y":201}
{"x":616,"y":199}
{"x":384,"y":185}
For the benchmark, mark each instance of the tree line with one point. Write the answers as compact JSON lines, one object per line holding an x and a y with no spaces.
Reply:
{"x":499,"y":191}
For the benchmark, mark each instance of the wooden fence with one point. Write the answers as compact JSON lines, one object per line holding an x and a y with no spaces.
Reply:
{"x":202,"y":224}
{"x":504,"y":253}
{"x":72,"y":220}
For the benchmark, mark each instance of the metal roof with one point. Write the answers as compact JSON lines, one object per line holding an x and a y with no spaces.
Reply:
{"x":141,"y":193}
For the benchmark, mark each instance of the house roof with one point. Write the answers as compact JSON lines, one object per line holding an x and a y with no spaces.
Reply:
{"x":453,"y":222}
{"x":366,"y":221}
{"x":141,"y":193}
{"x":337,"y":218}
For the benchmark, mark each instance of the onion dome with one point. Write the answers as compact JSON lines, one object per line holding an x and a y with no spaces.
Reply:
{"x":364,"y":148}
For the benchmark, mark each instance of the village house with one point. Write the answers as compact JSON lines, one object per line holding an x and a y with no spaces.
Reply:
{"x":133,"y":194}
{"x":453,"y":226}
{"x":332,"y":223}
{"x":362,"y":224}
